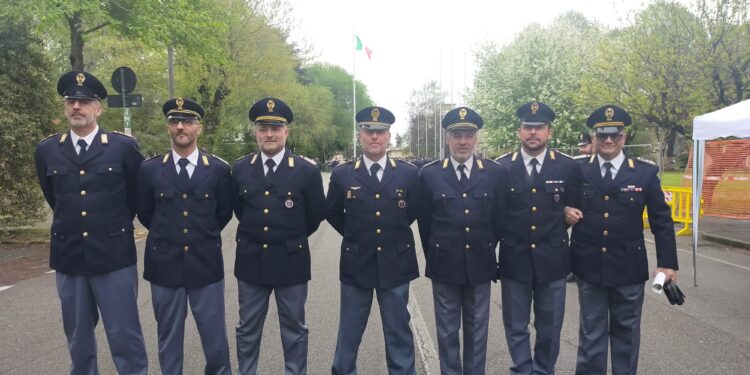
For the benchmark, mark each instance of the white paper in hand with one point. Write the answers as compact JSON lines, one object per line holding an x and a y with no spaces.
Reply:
{"x":658,"y":284}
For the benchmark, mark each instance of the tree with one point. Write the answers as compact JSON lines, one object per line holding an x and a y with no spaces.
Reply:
{"x":151,"y":22}
{"x":654,"y":69}
{"x":27,"y":105}
{"x":542,"y":64}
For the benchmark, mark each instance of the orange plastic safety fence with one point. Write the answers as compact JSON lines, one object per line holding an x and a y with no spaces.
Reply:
{"x":726,"y":178}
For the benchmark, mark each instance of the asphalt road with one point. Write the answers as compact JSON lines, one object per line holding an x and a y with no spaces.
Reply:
{"x":710,"y":334}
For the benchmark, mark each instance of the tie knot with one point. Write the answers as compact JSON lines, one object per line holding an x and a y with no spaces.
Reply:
{"x":534,"y":162}
{"x":82,"y":143}
{"x":270,"y":163}
{"x":183,"y":162}
{"x":374,"y":168}
{"x":608,"y":166}
{"x":461,"y":167}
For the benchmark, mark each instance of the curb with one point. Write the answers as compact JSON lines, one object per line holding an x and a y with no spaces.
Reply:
{"x":726,"y":241}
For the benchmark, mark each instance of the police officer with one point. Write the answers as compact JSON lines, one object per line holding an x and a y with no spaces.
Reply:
{"x":184,"y":199}
{"x":608,"y":252}
{"x":459,"y":223}
{"x":534,"y":257}
{"x":372,"y":202}
{"x":584,"y":146}
{"x":88,"y":175}
{"x":279,"y":201}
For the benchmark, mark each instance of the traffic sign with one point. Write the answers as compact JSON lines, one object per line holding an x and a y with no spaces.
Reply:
{"x":116,"y":101}
{"x":123,"y":80}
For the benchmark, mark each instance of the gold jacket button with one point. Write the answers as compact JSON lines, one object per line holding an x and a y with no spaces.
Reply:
{"x":533,"y":227}
{"x":85,"y":234}
{"x":466,"y":212}
{"x":184,"y":196}
{"x":186,"y":248}
{"x":265,"y":210}
{"x":377,"y":195}
{"x":265,"y":246}
{"x":83,"y":213}
{"x":82,"y":172}
{"x":83,"y":192}
{"x":533,"y":190}
{"x":605,"y":232}
{"x":377,"y":213}
{"x":377,"y":231}
{"x":465,"y":195}
{"x":606,"y":197}
{"x":533,"y":246}
{"x":380,"y":248}
{"x":265,"y":229}
{"x":467,"y":246}
{"x":533,"y":209}
{"x":184,"y":213}
{"x":604,"y":249}
{"x":468,"y":229}
{"x":606,"y":215}
{"x":185,"y":231}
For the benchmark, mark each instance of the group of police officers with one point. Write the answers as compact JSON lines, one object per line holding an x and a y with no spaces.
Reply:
{"x":96,"y":183}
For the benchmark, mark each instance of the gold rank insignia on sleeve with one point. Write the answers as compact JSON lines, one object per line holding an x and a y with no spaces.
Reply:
{"x":105,"y":140}
{"x":205,"y":160}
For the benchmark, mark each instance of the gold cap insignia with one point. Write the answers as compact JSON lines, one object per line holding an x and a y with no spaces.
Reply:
{"x":609,"y":113}
{"x":462,"y":113}
{"x":80,"y":78}
{"x":375,"y":114}
{"x":180,"y":102}
{"x":270,"y":104}
{"x":534,"y":107}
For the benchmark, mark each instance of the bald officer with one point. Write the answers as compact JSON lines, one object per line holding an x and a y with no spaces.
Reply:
{"x":88,"y":177}
{"x":608,"y":252}
{"x":184,"y":199}
{"x":459,"y":222}
{"x":534,"y":258}
{"x":279,"y":201}
{"x":372,"y":202}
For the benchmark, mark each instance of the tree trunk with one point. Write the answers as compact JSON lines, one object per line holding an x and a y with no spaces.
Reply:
{"x":76,"y":41}
{"x":671,"y":138}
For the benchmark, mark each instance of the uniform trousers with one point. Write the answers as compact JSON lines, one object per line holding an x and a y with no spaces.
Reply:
{"x":114,"y":295}
{"x":290,"y":303}
{"x":609,"y":314}
{"x":549,"y":309}
{"x":207,"y":305}
{"x":355,"y":311}
{"x":455,"y":304}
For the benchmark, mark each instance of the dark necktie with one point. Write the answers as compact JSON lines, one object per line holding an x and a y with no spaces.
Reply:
{"x":183,"y":175}
{"x":607,"y":174}
{"x":534,"y":173}
{"x":374,"y":168}
{"x":270,"y":164}
{"x":82,"y":144}
{"x":464,"y":178}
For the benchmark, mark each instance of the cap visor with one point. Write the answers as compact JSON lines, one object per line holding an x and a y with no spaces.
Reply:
{"x":608,"y":129}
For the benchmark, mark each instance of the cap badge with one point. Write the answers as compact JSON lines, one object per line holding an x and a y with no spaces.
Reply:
{"x":462,"y":113}
{"x":534,"y":107}
{"x":80,"y":78}
{"x":180,"y":102}
{"x":609,"y":113}
{"x":270,"y":104}
{"x":375,"y":114}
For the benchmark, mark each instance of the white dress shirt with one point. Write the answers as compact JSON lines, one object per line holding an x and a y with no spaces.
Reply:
{"x":89,"y":139}
{"x":278,"y":158}
{"x":616,"y":164}
{"x":192,"y":161}
{"x":468,"y":163}
{"x":369,"y":163}
{"x":527,"y":160}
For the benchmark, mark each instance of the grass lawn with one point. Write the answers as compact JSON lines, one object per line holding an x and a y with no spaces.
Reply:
{"x":25,"y":236}
{"x":671,"y":178}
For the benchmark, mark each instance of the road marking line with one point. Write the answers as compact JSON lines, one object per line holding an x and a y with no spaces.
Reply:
{"x":424,"y":343}
{"x":710,"y":258}
{"x":6,"y":287}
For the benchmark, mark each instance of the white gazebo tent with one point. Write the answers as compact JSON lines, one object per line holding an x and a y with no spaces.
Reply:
{"x":732,"y":121}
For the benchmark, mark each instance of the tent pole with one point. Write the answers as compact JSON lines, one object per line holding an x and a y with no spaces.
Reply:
{"x":698,"y":154}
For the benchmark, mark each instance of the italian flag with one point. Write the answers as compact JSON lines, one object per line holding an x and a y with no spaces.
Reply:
{"x":359,"y":46}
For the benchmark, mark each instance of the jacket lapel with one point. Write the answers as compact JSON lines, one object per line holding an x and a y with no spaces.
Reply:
{"x":449,"y":175}
{"x":593,"y":171}
{"x":282,"y":170}
{"x":363,"y":175}
{"x":477,"y":175}
{"x":169,"y":172}
{"x":95,"y":148}
{"x":389,"y":173}
{"x":519,"y":168}
{"x":199,"y":173}
{"x":67,"y":149}
{"x":623,"y":174}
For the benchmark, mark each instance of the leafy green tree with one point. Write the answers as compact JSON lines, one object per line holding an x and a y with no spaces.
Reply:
{"x":655,"y":69}
{"x":27,"y":108}
{"x":543,"y":64}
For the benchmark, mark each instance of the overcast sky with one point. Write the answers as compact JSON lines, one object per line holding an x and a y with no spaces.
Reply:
{"x":410,"y":38}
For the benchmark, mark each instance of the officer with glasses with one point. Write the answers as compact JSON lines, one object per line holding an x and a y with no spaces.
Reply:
{"x":608,"y":252}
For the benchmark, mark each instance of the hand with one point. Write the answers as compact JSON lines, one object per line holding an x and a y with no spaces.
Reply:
{"x":668,"y":272}
{"x":572,"y":215}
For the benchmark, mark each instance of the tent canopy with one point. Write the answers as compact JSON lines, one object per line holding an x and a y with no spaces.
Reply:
{"x":732,"y":121}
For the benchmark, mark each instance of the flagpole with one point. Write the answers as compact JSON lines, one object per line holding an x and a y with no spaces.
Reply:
{"x":354,"y":95}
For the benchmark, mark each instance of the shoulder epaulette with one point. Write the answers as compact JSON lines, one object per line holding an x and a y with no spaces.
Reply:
{"x":48,"y":137}
{"x":243,"y":157}
{"x":434,"y":162}
{"x":219,"y":159}
{"x":580,"y":157}
{"x":505,"y":155}
{"x":121,"y":133}
{"x":563,"y":154}
{"x":343,"y":164}
{"x":493,"y":161}
{"x":406,"y":162}
{"x":311,"y":161}
{"x":646,"y":161}
{"x":154,"y":157}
